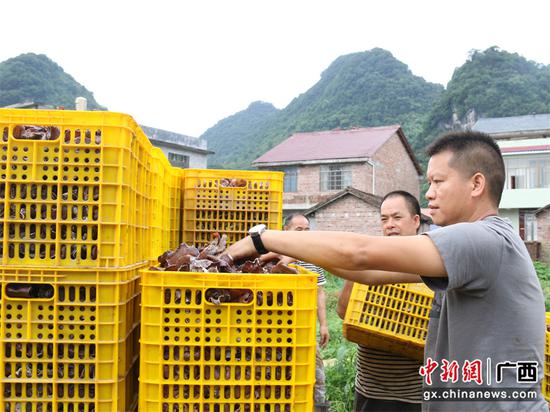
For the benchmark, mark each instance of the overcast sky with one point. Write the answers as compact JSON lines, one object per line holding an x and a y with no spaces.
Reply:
{"x":185,"y":65}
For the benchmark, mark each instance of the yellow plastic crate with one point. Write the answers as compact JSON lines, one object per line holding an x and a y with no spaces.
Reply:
{"x":166,"y":210}
{"x":103,"y":396}
{"x":392,"y":318}
{"x":160,"y":210}
{"x":70,"y":394}
{"x":546,"y":378}
{"x":174,"y":197}
{"x":79,"y":200}
{"x":197,"y":356}
{"x":130,"y":396}
{"x":209,"y":207}
{"x":73,"y":347}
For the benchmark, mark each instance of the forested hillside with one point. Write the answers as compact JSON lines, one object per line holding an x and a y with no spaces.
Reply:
{"x":231,"y":135}
{"x":373,"y":88}
{"x":492,"y":83}
{"x":361,"y":89}
{"x":36,"y":78}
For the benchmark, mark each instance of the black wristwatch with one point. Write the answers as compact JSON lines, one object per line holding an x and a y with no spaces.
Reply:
{"x":256,"y":233}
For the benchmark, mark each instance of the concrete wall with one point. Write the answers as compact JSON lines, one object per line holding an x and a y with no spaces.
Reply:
{"x":394,"y":169}
{"x":512,"y":215}
{"x":196,"y":160}
{"x":348,"y":214}
{"x":524,"y":198}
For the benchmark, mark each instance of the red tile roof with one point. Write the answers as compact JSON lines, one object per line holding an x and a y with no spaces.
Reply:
{"x":334,"y":144}
{"x":369,"y":198}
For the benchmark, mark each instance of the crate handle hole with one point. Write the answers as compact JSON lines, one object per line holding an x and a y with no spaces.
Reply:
{"x":29,"y":290}
{"x":33,"y":132}
{"x":219,"y":296}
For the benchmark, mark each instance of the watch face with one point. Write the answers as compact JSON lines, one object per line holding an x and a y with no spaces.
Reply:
{"x":257,"y":229}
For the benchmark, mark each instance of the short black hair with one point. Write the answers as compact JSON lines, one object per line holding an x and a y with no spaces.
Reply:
{"x":289,"y":218}
{"x":474,"y":152}
{"x":410,"y":200}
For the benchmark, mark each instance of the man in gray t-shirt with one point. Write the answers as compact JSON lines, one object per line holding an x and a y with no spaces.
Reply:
{"x":486,"y":341}
{"x":492,"y":310}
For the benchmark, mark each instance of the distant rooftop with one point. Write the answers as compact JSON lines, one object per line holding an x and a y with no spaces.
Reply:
{"x":514,"y":124}
{"x":195,"y":144}
{"x":30,"y":105}
{"x":357,"y":143}
{"x":524,"y":146}
{"x":165,"y":136}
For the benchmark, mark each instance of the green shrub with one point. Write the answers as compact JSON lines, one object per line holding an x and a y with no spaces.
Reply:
{"x":340,"y":375}
{"x":340,"y":379}
{"x":543,"y":273}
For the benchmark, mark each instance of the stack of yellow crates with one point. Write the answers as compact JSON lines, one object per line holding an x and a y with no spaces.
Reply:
{"x":86,"y":204}
{"x":257,"y":356}
{"x":75,"y":217}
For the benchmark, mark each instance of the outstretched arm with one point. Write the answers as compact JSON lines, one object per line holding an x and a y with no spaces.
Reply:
{"x":376,"y":277}
{"x":351,"y":252}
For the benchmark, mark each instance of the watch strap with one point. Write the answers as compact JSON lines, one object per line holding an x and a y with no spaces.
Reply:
{"x":258,"y":244}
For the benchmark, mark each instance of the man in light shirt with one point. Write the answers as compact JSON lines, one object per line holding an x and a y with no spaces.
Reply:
{"x":385,"y":381}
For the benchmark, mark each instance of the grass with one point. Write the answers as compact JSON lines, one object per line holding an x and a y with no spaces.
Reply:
{"x":543,"y":273}
{"x":340,"y":375}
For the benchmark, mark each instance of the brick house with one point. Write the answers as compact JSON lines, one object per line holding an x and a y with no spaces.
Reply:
{"x":543,"y":232}
{"x":352,"y":210}
{"x":318,"y":165}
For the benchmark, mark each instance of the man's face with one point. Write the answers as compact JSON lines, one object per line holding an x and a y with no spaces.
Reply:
{"x":449,"y":193}
{"x":298,"y":223}
{"x":397,"y":219}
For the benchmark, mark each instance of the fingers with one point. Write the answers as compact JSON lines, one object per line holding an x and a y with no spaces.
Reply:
{"x":325,"y":336}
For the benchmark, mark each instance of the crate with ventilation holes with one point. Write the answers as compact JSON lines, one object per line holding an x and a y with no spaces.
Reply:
{"x":254,"y":356}
{"x":69,"y":339}
{"x":392,"y":318}
{"x":166,"y":207}
{"x":229,"y":202}
{"x":74,"y":189}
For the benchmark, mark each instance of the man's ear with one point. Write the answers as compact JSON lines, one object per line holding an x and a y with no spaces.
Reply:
{"x":479,"y":184}
{"x":417,"y":221}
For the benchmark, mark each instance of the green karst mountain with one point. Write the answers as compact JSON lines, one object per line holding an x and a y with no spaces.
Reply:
{"x":361,"y":89}
{"x":36,"y":78}
{"x":373,"y":88}
{"x":492,"y":83}
{"x":232,"y":134}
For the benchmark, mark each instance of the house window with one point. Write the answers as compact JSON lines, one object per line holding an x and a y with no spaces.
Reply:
{"x":290,"y":182}
{"x":178,"y":160}
{"x":335,"y":177}
{"x":527,"y":225}
{"x":291,"y":179}
{"x":527,"y":172}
